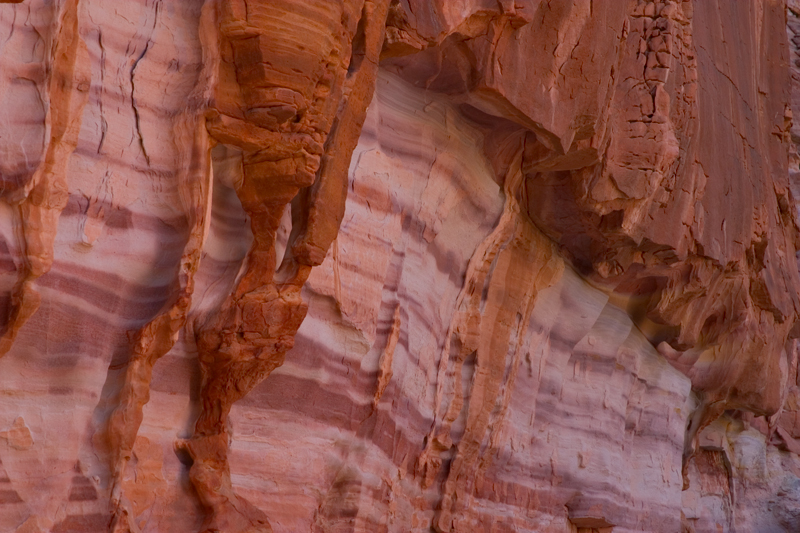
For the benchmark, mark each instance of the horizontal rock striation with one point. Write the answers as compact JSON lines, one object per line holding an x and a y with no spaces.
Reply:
{"x":399,"y":265}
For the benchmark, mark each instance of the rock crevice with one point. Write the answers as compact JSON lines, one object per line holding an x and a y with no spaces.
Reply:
{"x":516,"y":265}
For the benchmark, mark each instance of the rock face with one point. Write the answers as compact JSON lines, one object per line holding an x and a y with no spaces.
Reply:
{"x":399,"y":265}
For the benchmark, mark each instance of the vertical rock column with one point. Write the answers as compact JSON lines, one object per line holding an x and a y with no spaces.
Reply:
{"x":295,"y":81}
{"x":158,"y":336}
{"x":40,"y":198}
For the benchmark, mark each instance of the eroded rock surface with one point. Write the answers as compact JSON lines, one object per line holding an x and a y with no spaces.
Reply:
{"x":399,"y":265}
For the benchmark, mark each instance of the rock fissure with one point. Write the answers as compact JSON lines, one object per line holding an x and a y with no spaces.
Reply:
{"x":563,"y":297}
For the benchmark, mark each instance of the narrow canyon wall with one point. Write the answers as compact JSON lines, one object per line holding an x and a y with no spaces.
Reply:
{"x":399,"y":266}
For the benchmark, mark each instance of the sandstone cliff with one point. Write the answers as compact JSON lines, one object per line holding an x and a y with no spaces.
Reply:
{"x":399,"y":265}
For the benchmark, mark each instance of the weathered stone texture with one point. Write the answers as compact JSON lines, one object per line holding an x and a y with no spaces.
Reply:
{"x":399,"y":265}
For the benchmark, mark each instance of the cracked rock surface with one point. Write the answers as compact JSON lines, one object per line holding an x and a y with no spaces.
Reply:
{"x":399,"y":266}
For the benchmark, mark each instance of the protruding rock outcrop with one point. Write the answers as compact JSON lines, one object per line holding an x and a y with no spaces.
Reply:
{"x":508,"y":264}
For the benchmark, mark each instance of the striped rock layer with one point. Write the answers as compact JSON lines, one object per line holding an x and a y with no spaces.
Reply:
{"x":399,"y":266}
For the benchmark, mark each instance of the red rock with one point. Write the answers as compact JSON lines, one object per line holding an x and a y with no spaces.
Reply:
{"x":507,"y":265}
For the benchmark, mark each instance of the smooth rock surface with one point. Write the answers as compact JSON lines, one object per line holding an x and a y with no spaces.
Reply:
{"x":399,"y":266}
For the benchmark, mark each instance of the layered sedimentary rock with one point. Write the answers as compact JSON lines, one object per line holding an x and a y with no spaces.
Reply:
{"x":372,"y":265}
